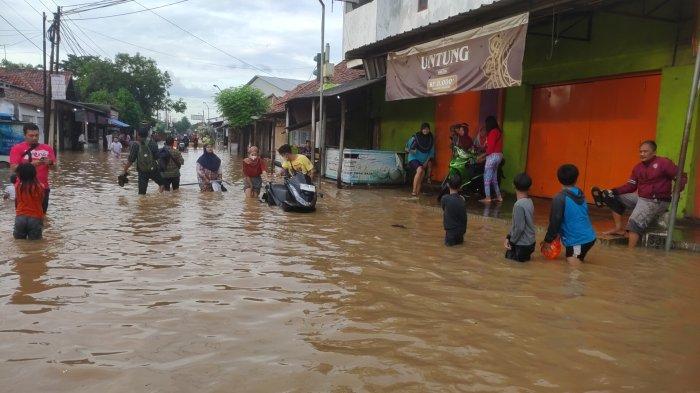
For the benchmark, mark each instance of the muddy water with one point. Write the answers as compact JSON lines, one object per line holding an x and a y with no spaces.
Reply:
{"x":211,"y":293}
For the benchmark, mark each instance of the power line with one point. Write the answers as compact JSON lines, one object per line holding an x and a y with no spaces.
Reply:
{"x":181,"y":58}
{"x":25,"y":37}
{"x":18,"y":14}
{"x":132,"y":12}
{"x":202,"y":40}
{"x":94,"y":6}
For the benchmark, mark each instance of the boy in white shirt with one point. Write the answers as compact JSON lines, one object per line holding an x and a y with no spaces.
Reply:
{"x":116,"y":148}
{"x":9,"y":191}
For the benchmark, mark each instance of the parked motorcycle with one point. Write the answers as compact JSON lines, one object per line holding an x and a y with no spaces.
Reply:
{"x":464,"y":163}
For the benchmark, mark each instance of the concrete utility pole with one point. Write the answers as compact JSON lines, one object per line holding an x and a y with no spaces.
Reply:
{"x":684,"y":150}
{"x":47,"y":100}
{"x":320,"y":89}
{"x":341,"y":147}
{"x":58,"y":145}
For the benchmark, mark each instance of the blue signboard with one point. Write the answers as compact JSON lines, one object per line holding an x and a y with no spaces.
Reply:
{"x":10,"y":134}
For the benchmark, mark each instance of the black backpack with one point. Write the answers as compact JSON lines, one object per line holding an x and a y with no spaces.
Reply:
{"x":164,"y":158}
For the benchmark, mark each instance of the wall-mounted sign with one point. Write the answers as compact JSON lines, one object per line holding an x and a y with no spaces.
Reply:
{"x":58,"y":87}
{"x":488,"y":57}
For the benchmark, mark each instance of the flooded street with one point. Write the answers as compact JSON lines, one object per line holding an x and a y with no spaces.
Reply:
{"x":187,"y":292}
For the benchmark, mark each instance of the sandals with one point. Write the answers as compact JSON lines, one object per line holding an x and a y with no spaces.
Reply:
{"x":598,"y":197}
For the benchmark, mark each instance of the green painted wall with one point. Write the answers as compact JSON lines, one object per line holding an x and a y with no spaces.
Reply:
{"x":619,"y":45}
{"x":401,"y":119}
{"x":673,"y":106}
{"x":516,"y":123}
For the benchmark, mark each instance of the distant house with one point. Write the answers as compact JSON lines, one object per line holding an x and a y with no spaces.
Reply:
{"x":22,"y":98}
{"x":272,"y":87}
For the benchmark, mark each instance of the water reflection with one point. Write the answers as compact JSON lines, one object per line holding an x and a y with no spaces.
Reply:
{"x":189,"y":291}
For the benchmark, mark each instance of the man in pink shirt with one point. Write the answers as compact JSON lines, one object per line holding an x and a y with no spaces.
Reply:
{"x":38,"y":154}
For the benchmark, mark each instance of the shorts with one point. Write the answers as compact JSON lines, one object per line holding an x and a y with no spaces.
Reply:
{"x":255,"y":183}
{"x":644,"y":211}
{"x":520,"y":253}
{"x":415,"y":164}
{"x":453,"y":238}
{"x":28,"y":228}
{"x":579,"y":251}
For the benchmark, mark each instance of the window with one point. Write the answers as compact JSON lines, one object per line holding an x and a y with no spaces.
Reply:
{"x":28,"y":119}
{"x":422,"y":5}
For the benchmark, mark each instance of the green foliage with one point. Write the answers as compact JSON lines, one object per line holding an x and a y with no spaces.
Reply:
{"x":178,"y":106}
{"x":129,"y":110}
{"x":183,"y":125}
{"x":4,"y":63}
{"x":239,"y":104}
{"x":161,"y":127}
{"x":146,"y":85}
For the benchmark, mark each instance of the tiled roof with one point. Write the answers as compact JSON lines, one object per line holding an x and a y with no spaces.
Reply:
{"x":27,"y":79}
{"x":341,"y":74}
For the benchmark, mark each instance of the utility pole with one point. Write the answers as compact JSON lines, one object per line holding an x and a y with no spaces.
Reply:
{"x":320,"y":89}
{"x":47,"y":100}
{"x":57,"y":21}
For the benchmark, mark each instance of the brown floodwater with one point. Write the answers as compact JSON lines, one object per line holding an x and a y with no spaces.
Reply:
{"x":186,"y":292}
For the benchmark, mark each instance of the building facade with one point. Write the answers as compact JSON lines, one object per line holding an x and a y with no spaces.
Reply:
{"x":597,"y":79}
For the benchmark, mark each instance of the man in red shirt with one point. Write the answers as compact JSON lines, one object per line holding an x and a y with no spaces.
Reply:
{"x":647,"y":193}
{"x":38,"y":154}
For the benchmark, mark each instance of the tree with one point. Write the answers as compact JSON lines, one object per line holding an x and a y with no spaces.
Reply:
{"x":4,"y":63}
{"x":240,"y":104}
{"x":139,"y":76}
{"x":178,"y":106}
{"x":129,"y":109}
{"x":183,"y":125}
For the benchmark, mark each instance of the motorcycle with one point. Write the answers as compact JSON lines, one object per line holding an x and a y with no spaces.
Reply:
{"x":297,"y":194}
{"x":464,"y":163}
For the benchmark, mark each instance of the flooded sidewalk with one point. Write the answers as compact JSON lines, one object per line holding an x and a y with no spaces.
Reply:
{"x":186,"y":291}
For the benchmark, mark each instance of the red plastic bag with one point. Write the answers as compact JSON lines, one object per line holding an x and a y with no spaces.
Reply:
{"x":553,"y":251}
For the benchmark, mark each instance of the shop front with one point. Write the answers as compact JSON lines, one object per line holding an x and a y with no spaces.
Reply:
{"x":591,"y":96}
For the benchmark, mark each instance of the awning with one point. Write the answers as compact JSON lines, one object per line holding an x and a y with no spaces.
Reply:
{"x":118,"y":123}
{"x":345,"y":88}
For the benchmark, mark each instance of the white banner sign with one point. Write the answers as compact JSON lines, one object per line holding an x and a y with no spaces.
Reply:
{"x":58,"y":87}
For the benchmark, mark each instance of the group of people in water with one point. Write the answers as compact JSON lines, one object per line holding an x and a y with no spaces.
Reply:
{"x":647,"y":193}
{"x":487,"y":143}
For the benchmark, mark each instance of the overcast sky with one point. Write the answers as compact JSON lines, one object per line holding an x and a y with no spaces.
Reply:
{"x":279,"y":36}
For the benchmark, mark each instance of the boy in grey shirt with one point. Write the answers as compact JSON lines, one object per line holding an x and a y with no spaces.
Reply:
{"x":520,"y":242}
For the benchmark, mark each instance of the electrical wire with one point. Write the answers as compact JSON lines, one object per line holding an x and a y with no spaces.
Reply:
{"x":202,"y":40}
{"x":25,"y":37}
{"x":185,"y":59}
{"x":132,"y":12}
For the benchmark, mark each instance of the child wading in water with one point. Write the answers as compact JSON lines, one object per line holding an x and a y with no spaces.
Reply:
{"x":29,"y":220}
{"x":454,"y":216}
{"x":569,"y":217}
{"x":520,"y":242}
{"x":253,"y":168}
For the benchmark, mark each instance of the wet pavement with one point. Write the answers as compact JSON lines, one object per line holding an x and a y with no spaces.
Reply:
{"x":209,"y":292}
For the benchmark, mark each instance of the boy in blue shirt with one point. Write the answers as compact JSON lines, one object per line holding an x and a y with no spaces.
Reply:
{"x":569,"y":217}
